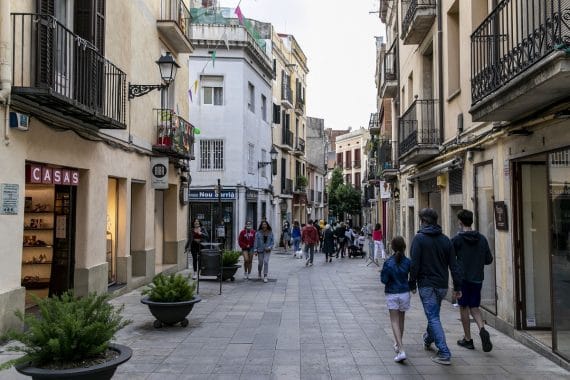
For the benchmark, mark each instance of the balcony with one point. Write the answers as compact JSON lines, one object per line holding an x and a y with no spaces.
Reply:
{"x":286,"y":96}
{"x":61,"y":77}
{"x":300,"y":147}
{"x":383,"y":9}
{"x":287,"y":186}
{"x":174,"y":25}
{"x":389,"y":80}
{"x":347,"y":165}
{"x":301,"y":184}
{"x":356,"y":164}
{"x":520,"y":64}
{"x":418,"y":17}
{"x":300,"y":106}
{"x":174,"y":135}
{"x":374,"y":123}
{"x":312,"y":196}
{"x":388,"y":169}
{"x":419,"y":136}
{"x":287,"y":139}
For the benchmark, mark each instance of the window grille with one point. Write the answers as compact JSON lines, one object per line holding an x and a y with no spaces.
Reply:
{"x":250,"y":158}
{"x":456,"y":181}
{"x":211,"y":155}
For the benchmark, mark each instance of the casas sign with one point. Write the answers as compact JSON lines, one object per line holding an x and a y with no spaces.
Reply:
{"x":46,"y":175}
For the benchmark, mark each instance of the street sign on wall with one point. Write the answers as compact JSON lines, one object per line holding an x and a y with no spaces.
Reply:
{"x":159,"y":172}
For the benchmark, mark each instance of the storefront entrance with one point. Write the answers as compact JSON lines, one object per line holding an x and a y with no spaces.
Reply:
{"x":209,"y":215}
{"x":542,"y":249}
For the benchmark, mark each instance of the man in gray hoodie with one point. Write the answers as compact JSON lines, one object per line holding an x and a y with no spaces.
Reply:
{"x":473,"y":253}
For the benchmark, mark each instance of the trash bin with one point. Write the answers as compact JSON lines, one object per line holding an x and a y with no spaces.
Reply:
{"x":210,"y":262}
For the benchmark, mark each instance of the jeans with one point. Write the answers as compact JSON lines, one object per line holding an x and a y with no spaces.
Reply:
{"x":263,"y":262}
{"x":431,"y":300}
{"x":309,"y":252}
{"x":296,"y":243}
{"x":379,"y":249}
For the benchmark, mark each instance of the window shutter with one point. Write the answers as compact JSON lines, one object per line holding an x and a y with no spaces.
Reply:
{"x":89,"y":22}
{"x":276,"y":113}
{"x":46,"y":67}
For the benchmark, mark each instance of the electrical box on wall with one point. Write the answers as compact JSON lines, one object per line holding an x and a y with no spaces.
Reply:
{"x":442,"y":180}
{"x":19,"y":121}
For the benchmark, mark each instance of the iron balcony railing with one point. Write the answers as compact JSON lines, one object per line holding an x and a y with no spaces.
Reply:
{"x":374,"y":120}
{"x":177,"y":11}
{"x":409,"y":9}
{"x":311,"y":195}
{"x":417,"y":126}
{"x":385,"y":155}
{"x":356,"y":164}
{"x":390,"y":69}
{"x":287,"y":137}
{"x":515,"y":36}
{"x":286,"y":93}
{"x":287,"y":186}
{"x":174,"y":135}
{"x":300,"y":144}
{"x":300,"y":104}
{"x":52,"y":65}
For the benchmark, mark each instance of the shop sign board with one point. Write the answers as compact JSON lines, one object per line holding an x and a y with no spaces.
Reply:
{"x":41,"y":174}
{"x":159,"y":172}
{"x":251,"y":195}
{"x":501,"y":216}
{"x":10,"y":193}
{"x":212,"y":194}
{"x":385,"y":190}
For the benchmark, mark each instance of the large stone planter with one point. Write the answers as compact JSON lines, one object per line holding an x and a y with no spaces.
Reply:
{"x":228,"y":273}
{"x":103,"y":371}
{"x":170,"y":313}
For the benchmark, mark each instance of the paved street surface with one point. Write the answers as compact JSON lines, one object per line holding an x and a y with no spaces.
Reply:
{"x":328,"y":321}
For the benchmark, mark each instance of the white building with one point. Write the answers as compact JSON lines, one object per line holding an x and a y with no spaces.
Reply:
{"x":233,"y":109}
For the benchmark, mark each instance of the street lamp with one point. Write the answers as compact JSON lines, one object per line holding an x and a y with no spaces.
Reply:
{"x":167,"y":66}
{"x":273,"y":153}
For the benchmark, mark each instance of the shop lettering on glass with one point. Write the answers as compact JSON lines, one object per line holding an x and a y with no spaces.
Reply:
{"x":51,"y":176}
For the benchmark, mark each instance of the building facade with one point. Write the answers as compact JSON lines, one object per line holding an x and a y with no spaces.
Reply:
{"x":316,"y":153}
{"x":94,"y":175}
{"x":481,"y":123}
{"x":232,"y":73}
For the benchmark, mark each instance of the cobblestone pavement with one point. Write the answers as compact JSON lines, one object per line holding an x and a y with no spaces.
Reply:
{"x":327,"y":321}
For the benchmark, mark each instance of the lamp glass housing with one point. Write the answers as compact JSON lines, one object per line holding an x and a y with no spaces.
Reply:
{"x":168,"y":67}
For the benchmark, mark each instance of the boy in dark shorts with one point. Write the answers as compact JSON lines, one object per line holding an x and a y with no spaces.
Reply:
{"x":473,"y":253}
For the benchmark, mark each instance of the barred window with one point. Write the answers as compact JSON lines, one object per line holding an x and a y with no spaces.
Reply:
{"x":251,"y":159}
{"x":211,"y":155}
{"x":456,"y":181}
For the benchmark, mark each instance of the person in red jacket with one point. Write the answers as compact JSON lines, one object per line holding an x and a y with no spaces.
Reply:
{"x":310,"y":237}
{"x":246,"y":241}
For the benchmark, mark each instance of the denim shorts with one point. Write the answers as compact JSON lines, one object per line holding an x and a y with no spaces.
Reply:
{"x":398,"y":301}
{"x":470,"y":294}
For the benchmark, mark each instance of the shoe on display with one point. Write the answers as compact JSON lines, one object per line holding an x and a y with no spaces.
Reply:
{"x":466,"y":343}
{"x":400,"y":357}
{"x":485,"y":340}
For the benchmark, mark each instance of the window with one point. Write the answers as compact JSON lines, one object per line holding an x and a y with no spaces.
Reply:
{"x":453,"y":50}
{"x":251,"y":101}
{"x":348,"y":159}
{"x":251,"y":159}
{"x":212,"y":90}
{"x":264,"y":159}
{"x":264,"y":107}
{"x":211,"y":155}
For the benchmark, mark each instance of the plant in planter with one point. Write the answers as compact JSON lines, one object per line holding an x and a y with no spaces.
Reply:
{"x":230,"y":264}
{"x":302,"y":182}
{"x":170,"y":299}
{"x":70,"y":338}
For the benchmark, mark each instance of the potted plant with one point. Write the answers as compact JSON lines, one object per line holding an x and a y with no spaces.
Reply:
{"x":230,"y":265}
{"x":302,"y":182}
{"x":170,"y":299}
{"x":70,"y":338}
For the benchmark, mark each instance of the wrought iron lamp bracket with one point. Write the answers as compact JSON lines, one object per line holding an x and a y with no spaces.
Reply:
{"x":136,"y":90}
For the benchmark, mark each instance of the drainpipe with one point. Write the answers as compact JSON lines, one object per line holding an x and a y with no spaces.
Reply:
{"x":5,"y":69}
{"x":440,"y":68}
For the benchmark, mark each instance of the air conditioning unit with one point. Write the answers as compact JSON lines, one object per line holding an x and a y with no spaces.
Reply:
{"x":19,"y":121}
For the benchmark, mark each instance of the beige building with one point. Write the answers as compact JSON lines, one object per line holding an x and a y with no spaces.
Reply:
{"x":94,"y":175}
{"x":480,"y":121}
{"x":289,"y":132}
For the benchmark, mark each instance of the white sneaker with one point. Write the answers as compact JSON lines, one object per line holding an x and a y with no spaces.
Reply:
{"x":264,"y":279}
{"x":194,"y":276}
{"x":247,"y":276}
{"x":400,"y":357}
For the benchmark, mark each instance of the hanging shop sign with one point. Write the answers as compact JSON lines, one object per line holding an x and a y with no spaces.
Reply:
{"x":501,"y":217}
{"x":385,"y":190}
{"x":48,"y":175}
{"x":10,"y":193}
{"x":251,"y":195}
{"x":212,"y":194}
{"x":159,"y":172}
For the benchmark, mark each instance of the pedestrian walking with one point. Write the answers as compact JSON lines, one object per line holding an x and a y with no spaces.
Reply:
{"x":263,"y":245}
{"x":246,"y":241}
{"x":395,"y":275}
{"x":328,"y":243}
{"x":339,"y":234}
{"x":198,"y":235}
{"x":433,"y":256}
{"x":286,"y":235}
{"x":296,"y":236}
{"x":310,"y":238}
{"x":378,"y":243}
{"x":473,"y":253}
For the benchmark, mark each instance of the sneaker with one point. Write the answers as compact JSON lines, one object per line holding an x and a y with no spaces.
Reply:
{"x":264,"y":279}
{"x":485,"y":340}
{"x":194,"y":276}
{"x":466,"y":343}
{"x":441,"y":360}
{"x":247,"y":276}
{"x":427,"y":345}
{"x":307,"y":263}
{"x":259,"y":276}
{"x":310,"y":264}
{"x":400,"y":357}
{"x":396,"y":348}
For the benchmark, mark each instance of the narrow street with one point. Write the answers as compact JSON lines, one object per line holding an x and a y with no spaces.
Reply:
{"x":328,"y":321}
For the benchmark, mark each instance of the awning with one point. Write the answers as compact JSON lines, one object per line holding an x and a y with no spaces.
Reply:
{"x":437,"y":169}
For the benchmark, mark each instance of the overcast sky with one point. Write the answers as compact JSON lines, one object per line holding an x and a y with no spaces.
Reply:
{"x":338,"y":39}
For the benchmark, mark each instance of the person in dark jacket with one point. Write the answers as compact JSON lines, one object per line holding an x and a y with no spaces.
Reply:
{"x":328,"y":243}
{"x":339,"y":234}
{"x":394,"y":275}
{"x":432,"y":255}
{"x":197,"y":235}
{"x":473,"y":253}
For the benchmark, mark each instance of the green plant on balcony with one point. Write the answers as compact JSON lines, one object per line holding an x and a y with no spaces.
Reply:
{"x":302,"y":182}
